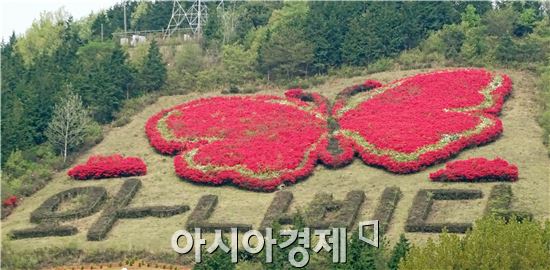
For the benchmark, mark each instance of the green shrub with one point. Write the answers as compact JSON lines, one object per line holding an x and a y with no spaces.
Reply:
{"x":16,"y":165}
{"x":94,"y":134}
{"x":27,"y":171}
{"x":37,"y":258}
{"x":361,"y":255}
{"x":492,"y":244}
{"x":43,"y":154}
{"x":380,"y":65}
{"x":452,"y":37}
{"x":218,"y":260}
{"x":399,"y":252}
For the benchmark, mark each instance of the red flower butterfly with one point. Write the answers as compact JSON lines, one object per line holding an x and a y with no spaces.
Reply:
{"x":260,"y":142}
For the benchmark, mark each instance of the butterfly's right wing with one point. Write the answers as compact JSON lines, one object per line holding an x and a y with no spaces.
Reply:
{"x":414,"y":122}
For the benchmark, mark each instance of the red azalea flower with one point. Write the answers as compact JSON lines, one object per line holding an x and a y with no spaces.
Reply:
{"x":10,"y":201}
{"x":108,"y":166}
{"x":260,"y":142}
{"x":477,"y":170}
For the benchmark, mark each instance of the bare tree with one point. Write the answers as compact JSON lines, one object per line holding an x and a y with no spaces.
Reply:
{"x":69,"y":123}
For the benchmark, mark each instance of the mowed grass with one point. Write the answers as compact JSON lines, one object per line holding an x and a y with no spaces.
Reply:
{"x":520,"y":144}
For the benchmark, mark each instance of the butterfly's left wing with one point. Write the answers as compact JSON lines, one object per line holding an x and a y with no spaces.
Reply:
{"x":414,"y":122}
{"x":255,"y":142}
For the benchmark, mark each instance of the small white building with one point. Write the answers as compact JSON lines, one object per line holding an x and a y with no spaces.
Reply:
{"x":124,"y":41}
{"x":137,"y":39}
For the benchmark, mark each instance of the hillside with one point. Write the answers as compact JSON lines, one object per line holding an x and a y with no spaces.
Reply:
{"x":520,"y":144}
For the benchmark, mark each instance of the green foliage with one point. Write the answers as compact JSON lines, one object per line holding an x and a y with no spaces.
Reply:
{"x":155,"y":17}
{"x":387,"y":28}
{"x":363,"y":256}
{"x":253,"y":15}
{"x":93,"y":52}
{"x":216,"y":260}
{"x":526,"y":22}
{"x":212,"y":33}
{"x":139,"y":14}
{"x":492,"y":244}
{"x":43,"y":37}
{"x":399,"y":251}
{"x":285,"y":53}
{"x":107,"y":79}
{"x":153,"y":74}
{"x":238,"y":64}
{"x":188,"y":61}
{"x":499,"y":22}
{"x":326,"y":28}
{"x":506,"y":49}
{"x":111,"y":20}
{"x":138,"y":55}
{"x":68,"y":127}
{"x":490,"y":39}
{"x":16,"y":165}
{"x":94,"y":135}
{"x":280,"y":255}
{"x":469,"y":17}
{"x":26,"y":171}
{"x":16,"y":129}
{"x":474,"y":48}
{"x":12,"y":259}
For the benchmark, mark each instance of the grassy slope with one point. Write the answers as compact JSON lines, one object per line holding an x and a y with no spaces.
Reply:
{"x":520,"y":144}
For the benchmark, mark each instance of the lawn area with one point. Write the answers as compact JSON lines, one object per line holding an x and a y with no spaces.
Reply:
{"x":520,"y":144}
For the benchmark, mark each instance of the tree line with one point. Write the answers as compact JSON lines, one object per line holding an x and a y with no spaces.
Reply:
{"x":36,"y":79}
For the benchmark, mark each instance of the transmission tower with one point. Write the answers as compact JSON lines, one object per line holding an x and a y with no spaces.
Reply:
{"x":192,"y":18}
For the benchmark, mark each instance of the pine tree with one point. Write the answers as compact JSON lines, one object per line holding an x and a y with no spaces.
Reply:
{"x":104,"y":80}
{"x":399,"y":252}
{"x":121,"y":74}
{"x":361,"y":255}
{"x":506,"y":49}
{"x":153,"y":74}
{"x":387,"y":28}
{"x":41,"y":91}
{"x":470,"y":18}
{"x":218,"y":260}
{"x":286,"y":54}
{"x":16,"y":130}
{"x":107,"y":96}
{"x":65,"y":55}
{"x":326,"y":28}
{"x":212,"y":33}
{"x":67,"y":129}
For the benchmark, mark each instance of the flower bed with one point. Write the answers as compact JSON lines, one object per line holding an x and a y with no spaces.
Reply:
{"x":256,"y":142}
{"x":107,"y":167}
{"x":10,"y":201}
{"x":412,"y":123}
{"x":260,"y":142}
{"x":477,"y":170}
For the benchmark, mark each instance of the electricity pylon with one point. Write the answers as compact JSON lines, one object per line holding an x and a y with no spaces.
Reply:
{"x":193,"y":18}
